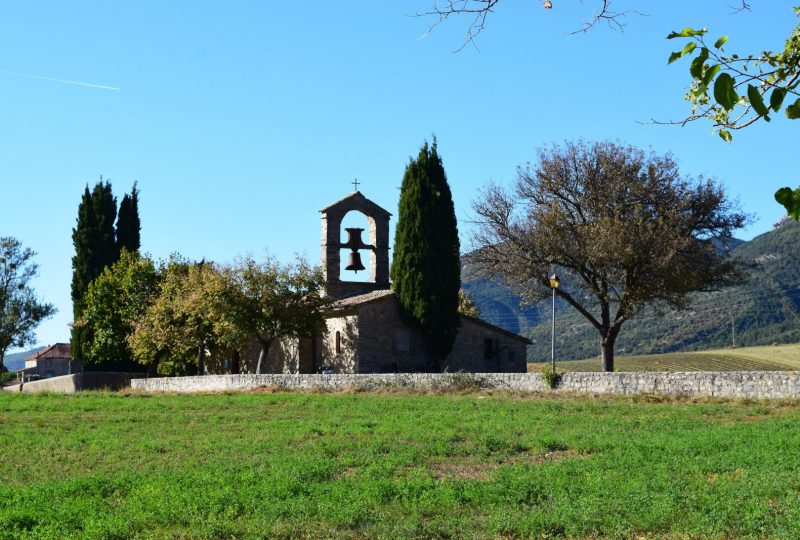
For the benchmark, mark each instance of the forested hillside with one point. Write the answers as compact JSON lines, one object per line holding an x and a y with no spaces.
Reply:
{"x":16,"y":361}
{"x":763,"y":311}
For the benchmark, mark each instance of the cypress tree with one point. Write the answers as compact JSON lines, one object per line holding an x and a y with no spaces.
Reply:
{"x":426,"y":270}
{"x":128,"y":224}
{"x":95,"y":244}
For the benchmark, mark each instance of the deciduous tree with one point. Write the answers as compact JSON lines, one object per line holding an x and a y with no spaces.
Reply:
{"x":467,"y":306}
{"x":624,"y":230}
{"x":426,"y":268}
{"x":272,"y":301}
{"x":115,"y":301}
{"x":187,"y":317}
{"x":20,"y":310}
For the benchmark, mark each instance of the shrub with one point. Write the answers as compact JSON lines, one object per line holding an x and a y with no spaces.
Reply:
{"x":551,"y":377}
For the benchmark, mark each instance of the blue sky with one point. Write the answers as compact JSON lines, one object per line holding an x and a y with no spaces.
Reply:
{"x":240,"y":120}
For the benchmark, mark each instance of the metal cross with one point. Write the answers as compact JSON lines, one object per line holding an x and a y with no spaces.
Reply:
{"x":356,"y":183}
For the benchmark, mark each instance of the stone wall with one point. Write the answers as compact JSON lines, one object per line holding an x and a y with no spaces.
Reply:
{"x":508,"y":354}
{"x":88,"y":380}
{"x":383,"y":330}
{"x":744,"y":384}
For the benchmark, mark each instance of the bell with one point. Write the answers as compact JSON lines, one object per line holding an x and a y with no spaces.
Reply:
{"x":354,"y":262}
{"x":354,"y":238}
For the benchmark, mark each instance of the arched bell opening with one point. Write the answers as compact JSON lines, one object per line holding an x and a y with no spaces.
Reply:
{"x":356,"y":256}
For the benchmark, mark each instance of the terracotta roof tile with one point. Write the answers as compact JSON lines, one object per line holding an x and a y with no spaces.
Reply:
{"x":59,"y":350}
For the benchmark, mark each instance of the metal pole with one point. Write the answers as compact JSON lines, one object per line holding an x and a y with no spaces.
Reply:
{"x":553,"y":336}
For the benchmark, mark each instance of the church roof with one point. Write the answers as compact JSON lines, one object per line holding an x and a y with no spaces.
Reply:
{"x":374,"y":296}
{"x":361,"y":299}
{"x":356,"y":199}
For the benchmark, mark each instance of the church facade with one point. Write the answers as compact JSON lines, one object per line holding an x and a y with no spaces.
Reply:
{"x":365,"y":332}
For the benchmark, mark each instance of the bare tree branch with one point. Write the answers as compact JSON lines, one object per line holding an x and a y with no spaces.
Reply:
{"x":478,"y":11}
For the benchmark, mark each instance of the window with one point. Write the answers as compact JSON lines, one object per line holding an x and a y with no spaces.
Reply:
{"x":490,"y":348}
{"x":402,"y":341}
{"x":338,"y":342}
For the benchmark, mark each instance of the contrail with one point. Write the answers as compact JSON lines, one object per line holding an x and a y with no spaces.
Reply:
{"x":51,"y":79}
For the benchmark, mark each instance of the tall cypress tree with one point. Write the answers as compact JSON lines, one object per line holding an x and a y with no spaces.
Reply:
{"x":426,"y":270}
{"x":95,"y":244}
{"x":128,"y":225}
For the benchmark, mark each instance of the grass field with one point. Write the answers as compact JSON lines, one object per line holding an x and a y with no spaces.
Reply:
{"x":396,"y":466}
{"x":774,"y":357}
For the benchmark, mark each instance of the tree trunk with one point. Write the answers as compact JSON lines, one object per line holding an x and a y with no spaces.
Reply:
{"x":608,"y":355}
{"x":2,"y":361}
{"x":200,"y":360}
{"x":235,"y":362}
{"x":262,"y":355}
{"x":607,"y":346}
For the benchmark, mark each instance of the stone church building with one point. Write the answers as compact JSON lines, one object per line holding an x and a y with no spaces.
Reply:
{"x":365,"y":331}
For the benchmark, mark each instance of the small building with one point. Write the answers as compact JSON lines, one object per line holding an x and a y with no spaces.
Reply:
{"x":366,"y":334}
{"x":365,"y":331}
{"x":51,"y":361}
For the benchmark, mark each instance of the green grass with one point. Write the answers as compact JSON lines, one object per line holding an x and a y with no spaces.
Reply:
{"x":396,"y":466}
{"x":769,"y":358}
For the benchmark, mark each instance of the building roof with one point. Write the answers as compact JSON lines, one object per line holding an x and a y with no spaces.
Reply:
{"x":489,"y":325}
{"x":362,"y":299}
{"x":357,"y":198}
{"x":59,"y":350}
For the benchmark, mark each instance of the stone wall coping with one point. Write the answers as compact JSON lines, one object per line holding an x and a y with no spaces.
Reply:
{"x":744,"y":384}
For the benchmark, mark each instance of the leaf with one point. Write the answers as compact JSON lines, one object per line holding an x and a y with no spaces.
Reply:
{"x":710,"y":74}
{"x":696,"y":68}
{"x":793,"y":110}
{"x":687,"y":32}
{"x":720,"y":42}
{"x":790,"y":200}
{"x":724,"y":92}
{"x":686,"y":50}
{"x":756,"y":101}
{"x":725,"y":135}
{"x":776,"y":98}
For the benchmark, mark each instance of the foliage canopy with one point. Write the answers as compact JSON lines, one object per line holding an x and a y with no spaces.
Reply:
{"x":426,"y":268}
{"x":20,"y":310}
{"x":622,"y":228}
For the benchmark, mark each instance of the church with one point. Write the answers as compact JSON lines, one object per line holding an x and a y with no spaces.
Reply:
{"x":365,"y":333}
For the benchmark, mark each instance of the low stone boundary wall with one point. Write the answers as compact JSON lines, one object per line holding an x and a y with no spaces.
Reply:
{"x":742,"y":384}
{"x":88,"y":380}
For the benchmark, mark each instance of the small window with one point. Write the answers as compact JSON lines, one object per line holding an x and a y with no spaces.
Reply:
{"x":338,"y":342}
{"x":402,"y":341}
{"x":488,"y":348}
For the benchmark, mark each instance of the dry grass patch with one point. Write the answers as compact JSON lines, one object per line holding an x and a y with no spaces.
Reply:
{"x":474,"y":468}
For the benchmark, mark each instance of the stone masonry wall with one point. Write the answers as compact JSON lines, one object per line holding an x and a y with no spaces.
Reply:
{"x":743,"y":384}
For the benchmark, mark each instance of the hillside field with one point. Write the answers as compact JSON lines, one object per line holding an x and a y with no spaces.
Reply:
{"x":473,"y":465}
{"x":767,"y":358}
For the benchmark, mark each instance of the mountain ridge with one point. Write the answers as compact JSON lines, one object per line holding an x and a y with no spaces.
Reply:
{"x":764,"y":310}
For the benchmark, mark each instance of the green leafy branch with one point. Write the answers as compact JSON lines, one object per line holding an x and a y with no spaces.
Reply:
{"x":733,"y":91}
{"x":736,"y":91}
